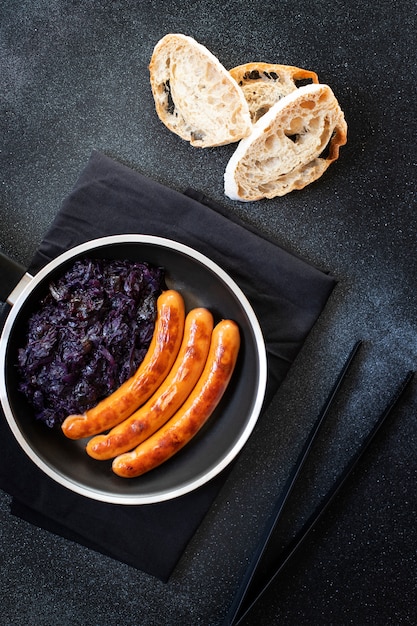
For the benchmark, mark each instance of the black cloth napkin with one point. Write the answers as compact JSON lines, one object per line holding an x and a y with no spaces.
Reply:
{"x":286,"y":293}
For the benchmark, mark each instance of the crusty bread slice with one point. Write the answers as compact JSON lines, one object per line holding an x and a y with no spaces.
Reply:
{"x":286,"y":149}
{"x":195,"y":96}
{"x":263,"y":84}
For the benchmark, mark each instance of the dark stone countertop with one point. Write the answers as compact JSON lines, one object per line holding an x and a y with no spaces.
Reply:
{"x":74,"y":78}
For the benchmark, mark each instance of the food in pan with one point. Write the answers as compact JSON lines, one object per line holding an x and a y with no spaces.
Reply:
{"x":168,"y":397}
{"x":161,"y":354}
{"x":195,"y":411}
{"x":288,"y":134}
{"x":158,"y":408}
{"x":88,"y":336}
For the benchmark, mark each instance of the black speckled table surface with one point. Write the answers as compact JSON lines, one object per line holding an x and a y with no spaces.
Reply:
{"x":74,"y":78}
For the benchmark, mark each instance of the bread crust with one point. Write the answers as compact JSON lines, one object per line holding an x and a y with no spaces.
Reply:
{"x":264,"y":84}
{"x":286,"y":150}
{"x":195,"y":96}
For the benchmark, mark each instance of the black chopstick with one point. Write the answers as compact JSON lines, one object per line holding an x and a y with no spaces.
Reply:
{"x":242,"y":603}
{"x":247,"y":581}
{"x":316,"y":516}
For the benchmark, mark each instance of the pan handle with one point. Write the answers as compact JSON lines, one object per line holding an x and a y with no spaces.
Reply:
{"x":12,"y":274}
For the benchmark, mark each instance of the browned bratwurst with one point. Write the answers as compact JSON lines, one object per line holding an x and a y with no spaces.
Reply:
{"x":195,"y":411}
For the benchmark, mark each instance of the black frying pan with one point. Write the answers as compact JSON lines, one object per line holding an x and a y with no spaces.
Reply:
{"x":202,"y":283}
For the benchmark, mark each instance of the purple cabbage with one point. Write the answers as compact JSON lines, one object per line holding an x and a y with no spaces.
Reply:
{"x":89,"y":335}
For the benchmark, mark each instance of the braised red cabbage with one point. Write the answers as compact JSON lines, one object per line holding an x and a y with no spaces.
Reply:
{"x":89,"y":335}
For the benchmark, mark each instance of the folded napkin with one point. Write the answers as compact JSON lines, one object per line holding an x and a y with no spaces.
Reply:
{"x":286,"y":293}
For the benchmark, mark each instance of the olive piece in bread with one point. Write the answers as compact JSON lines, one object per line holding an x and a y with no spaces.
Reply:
{"x":195,"y":96}
{"x":264,"y":84}
{"x":290,"y":146}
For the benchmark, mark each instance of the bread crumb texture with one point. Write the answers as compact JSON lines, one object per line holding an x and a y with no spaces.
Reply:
{"x":290,"y":146}
{"x":195,"y":96}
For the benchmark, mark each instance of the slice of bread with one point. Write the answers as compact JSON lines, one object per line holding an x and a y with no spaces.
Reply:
{"x":195,"y":96}
{"x":290,"y":146}
{"x":263,"y":84}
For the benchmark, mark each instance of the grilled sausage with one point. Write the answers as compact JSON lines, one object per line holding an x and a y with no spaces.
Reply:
{"x":161,"y":354}
{"x":168,"y":397}
{"x":195,"y":411}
